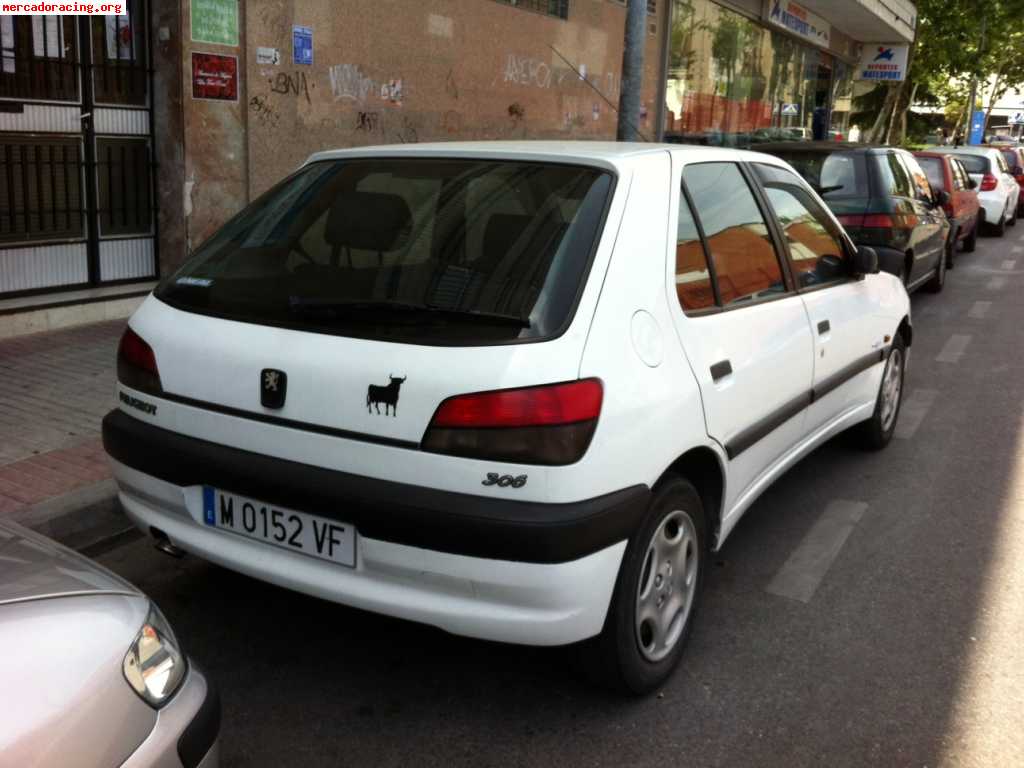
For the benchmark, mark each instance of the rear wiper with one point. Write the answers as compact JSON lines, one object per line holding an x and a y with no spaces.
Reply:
{"x":826,"y":190}
{"x":300,"y":305}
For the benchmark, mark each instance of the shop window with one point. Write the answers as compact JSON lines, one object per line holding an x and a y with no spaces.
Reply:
{"x":40,"y":189}
{"x":123,"y":180}
{"x":693,"y":278}
{"x":815,"y":251}
{"x":38,"y":58}
{"x":746,"y":265}
{"x":557,"y":8}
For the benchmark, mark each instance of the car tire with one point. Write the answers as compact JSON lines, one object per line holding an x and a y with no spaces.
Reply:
{"x":938,"y":281}
{"x":999,"y":229}
{"x":951,"y":250}
{"x":635,"y":653}
{"x":876,"y":432}
{"x":971,"y":241}
{"x":1012,"y":221}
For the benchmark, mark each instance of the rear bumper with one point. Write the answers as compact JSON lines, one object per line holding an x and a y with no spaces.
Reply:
{"x":186,"y":731}
{"x":552,"y":587}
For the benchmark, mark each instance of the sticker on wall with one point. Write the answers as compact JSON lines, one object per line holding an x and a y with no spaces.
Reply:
{"x":214,"y":77}
{"x":790,"y":109}
{"x":268,"y":56}
{"x":215,"y":21}
{"x":302,"y":45}
{"x":597,"y":111}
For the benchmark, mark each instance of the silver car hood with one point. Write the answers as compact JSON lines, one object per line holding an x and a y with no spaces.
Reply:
{"x":33,"y":567}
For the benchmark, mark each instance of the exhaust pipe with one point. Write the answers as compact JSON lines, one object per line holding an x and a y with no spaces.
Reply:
{"x":163,"y":544}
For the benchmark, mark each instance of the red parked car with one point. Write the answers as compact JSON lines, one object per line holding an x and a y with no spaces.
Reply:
{"x":947,"y":173}
{"x":1015,"y":159}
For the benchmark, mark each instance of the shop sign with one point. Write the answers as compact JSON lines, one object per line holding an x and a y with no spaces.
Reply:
{"x":214,"y":77}
{"x":882,"y":62}
{"x":800,"y":21}
{"x":791,"y":109}
{"x":215,"y":21}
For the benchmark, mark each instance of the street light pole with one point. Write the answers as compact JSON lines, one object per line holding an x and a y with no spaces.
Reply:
{"x":972,"y":100}
{"x":632,"y":71}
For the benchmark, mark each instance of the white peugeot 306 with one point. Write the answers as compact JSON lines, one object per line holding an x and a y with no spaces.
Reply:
{"x":518,"y":391}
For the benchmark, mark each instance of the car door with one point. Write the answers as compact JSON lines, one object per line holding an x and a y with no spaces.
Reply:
{"x":741,"y":324}
{"x":932,"y":226}
{"x":848,"y":331}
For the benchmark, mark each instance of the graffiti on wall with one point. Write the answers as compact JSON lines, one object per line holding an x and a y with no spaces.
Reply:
{"x":294,"y":83}
{"x":523,"y":70}
{"x":264,"y":111}
{"x":536,"y":73}
{"x":350,"y":83}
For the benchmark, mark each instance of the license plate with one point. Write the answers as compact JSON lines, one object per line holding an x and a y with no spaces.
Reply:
{"x":285,"y":528}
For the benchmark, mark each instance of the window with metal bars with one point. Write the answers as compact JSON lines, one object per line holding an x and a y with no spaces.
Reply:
{"x":39,"y":58}
{"x":40,"y":189}
{"x":119,"y":58}
{"x":123,"y":182}
{"x":557,"y":8}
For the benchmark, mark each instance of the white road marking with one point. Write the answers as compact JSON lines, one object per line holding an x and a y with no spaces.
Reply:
{"x":996,"y":283}
{"x":954,"y":349}
{"x":1009,"y":264}
{"x":912,"y":412}
{"x":800,"y":575}
{"x":979,"y":310}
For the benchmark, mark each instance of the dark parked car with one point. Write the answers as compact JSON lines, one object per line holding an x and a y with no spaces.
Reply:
{"x":883,"y":199}
{"x":947,"y":173}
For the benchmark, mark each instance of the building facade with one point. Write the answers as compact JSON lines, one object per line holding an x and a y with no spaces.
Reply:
{"x":126,"y":141}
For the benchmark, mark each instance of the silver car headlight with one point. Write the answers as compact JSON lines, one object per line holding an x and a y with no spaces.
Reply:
{"x":154,"y":666}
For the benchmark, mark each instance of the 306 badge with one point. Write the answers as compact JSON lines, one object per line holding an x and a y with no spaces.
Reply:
{"x":505,"y":481}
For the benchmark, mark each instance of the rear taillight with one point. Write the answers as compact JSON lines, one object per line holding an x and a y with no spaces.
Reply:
{"x":988,"y":183}
{"x":136,"y":364}
{"x":550,"y":424}
{"x":851,"y":219}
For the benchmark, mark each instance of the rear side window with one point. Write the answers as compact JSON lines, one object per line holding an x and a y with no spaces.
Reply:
{"x":693,"y":278}
{"x":894,"y":178}
{"x":431,"y":251}
{"x":959,"y":173}
{"x":745,"y":262}
{"x":1001,"y":160}
{"x":832,"y":175}
{"x":815,"y":250}
{"x":932,"y":167}
{"x":922,"y":189}
{"x":974,"y":163}
{"x":1010,"y":156}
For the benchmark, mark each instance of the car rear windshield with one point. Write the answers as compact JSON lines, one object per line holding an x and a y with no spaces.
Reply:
{"x":831,"y":174}
{"x":431,"y":251}
{"x":932,"y":167}
{"x":975,"y":163}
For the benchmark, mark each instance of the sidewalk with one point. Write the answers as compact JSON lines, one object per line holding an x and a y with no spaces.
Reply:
{"x":55,"y":387}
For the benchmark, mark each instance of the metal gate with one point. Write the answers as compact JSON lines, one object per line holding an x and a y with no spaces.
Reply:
{"x":77,"y":187}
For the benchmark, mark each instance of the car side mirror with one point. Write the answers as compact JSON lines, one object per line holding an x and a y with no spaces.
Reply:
{"x":865,"y":261}
{"x":942,"y":197}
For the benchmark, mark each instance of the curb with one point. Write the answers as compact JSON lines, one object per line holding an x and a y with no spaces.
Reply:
{"x":88,"y":519}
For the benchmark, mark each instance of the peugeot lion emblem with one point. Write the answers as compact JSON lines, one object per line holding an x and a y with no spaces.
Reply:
{"x":273,"y":388}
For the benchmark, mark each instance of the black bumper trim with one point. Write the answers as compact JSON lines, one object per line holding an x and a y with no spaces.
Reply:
{"x":444,"y":521}
{"x":200,"y":734}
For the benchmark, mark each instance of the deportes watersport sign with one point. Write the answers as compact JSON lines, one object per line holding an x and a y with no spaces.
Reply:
{"x":882,"y":62}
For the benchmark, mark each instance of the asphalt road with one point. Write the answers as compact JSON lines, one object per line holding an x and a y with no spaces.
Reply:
{"x":907,"y":652}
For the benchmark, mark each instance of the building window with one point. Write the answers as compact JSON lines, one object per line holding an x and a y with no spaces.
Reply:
{"x":40,"y":189}
{"x":556,"y":8}
{"x":119,"y":57}
{"x":39,"y":58}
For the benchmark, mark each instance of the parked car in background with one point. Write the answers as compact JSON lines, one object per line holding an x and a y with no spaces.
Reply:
{"x":883,"y":199}
{"x":515,"y":390}
{"x":1015,"y":161}
{"x":947,"y":173}
{"x":998,"y":192}
{"x":92,"y":673}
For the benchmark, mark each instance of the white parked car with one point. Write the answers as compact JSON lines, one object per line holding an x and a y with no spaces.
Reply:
{"x":997,"y":188}
{"x":514,"y":390}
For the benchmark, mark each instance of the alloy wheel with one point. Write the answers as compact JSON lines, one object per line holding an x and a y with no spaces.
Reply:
{"x":892,"y":387}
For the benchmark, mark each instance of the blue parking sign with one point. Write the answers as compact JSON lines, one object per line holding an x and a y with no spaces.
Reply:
{"x":302,"y":45}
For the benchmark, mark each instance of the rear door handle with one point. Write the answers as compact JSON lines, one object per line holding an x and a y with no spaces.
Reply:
{"x":824,"y":327}
{"x":720,"y":370}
